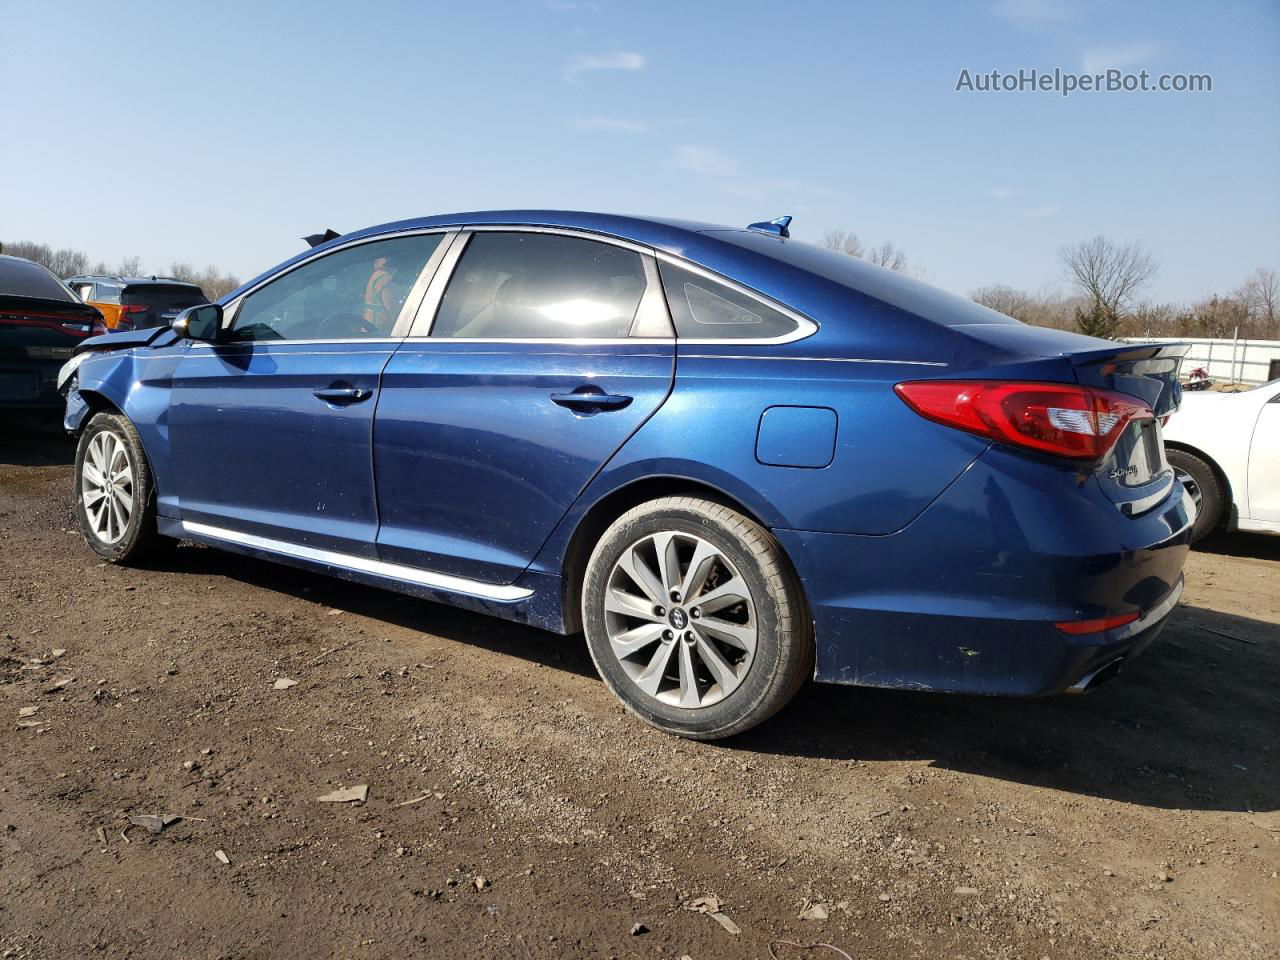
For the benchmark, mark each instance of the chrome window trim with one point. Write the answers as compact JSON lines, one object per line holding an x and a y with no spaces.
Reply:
{"x":425,"y":316}
{"x":403,"y":322}
{"x":381,"y":568}
{"x":753,"y":356}
{"x":804,"y":326}
{"x":444,"y":261}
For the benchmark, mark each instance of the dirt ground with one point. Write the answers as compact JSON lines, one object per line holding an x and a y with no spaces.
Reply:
{"x":514,"y":810}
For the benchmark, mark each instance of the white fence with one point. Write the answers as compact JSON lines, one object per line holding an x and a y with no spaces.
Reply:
{"x":1227,"y":360}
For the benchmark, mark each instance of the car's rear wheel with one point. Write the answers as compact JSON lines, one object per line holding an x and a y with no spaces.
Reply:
{"x":115,"y":499}
{"x":694,"y":618}
{"x":1201,"y":481}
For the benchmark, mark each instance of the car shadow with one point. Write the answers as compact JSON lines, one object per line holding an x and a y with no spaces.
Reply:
{"x":1260,"y":546}
{"x":1191,"y":724}
{"x":34,"y":440}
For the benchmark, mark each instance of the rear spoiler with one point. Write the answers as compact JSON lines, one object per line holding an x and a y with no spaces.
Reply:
{"x":15,"y":303}
{"x":1146,"y":370}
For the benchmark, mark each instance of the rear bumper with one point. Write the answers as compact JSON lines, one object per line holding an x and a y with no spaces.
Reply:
{"x":29,"y":384}
{"x":965,"y":598}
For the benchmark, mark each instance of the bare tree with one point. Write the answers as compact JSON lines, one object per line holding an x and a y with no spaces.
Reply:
{"x":130,"y":267}
{"x":1108,"y":273}
{"x":886,"y":255}
{"x":1260,"y":292}
{"x":844,"y":241}
{"x":1002,"y":299}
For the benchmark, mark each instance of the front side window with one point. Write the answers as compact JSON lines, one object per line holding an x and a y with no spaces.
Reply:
{"x":704,"y":309}
{"x":355,"y":293}
{"x":541,"y":286}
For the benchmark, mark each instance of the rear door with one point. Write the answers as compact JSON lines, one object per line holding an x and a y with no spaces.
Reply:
{"x":543,"y":353}
{"x":271,"y":429}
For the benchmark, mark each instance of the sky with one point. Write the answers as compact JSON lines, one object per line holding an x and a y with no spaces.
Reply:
{"x":220,"y":133}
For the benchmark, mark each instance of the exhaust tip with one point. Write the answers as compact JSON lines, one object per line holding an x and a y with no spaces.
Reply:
{"x":1097,"y":677}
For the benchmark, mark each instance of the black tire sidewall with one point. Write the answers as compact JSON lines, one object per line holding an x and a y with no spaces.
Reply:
{"x":1209,"y":516}
{"x":142,"y":501}
{"x":747,"y":698}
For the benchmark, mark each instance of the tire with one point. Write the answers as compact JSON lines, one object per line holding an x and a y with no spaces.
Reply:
{"x":123,"y":528}
{"x":694,"y":673}
{"x":1201,"y":481}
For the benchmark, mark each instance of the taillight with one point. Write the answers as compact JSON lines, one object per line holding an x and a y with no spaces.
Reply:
{"x":1060,"y":419}
{"x":131,"y":308}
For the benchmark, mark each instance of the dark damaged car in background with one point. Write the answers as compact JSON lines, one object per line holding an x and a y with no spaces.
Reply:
{"x":41,"y":323}
{"x":734,"y":460}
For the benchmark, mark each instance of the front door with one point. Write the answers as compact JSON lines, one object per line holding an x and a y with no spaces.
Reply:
{"x":271,"y":428}
{"x":1264,"y":462}
{"x":546,"y":353}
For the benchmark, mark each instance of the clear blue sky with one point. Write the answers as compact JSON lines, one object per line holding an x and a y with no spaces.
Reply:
{"x":221,"y":132}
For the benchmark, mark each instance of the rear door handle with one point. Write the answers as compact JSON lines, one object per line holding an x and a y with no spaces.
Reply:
{"x":343,"y":395}
{"x":591,"y":400}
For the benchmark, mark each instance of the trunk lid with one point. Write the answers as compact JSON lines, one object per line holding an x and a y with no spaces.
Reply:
{"x":1135,"y":475}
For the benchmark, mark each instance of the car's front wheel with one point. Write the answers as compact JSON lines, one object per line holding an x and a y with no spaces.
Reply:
{"x":115,"y":500}
{"x":694,"y":618}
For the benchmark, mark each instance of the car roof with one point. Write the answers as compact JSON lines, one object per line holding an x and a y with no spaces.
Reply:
{"x":131,"y":281}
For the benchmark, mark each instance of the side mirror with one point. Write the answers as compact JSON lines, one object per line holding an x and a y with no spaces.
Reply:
{"x":199,"y":323}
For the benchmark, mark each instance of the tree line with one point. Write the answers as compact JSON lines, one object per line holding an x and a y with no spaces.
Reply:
{"x":66,"y":262}
{"x":1106,"y":280}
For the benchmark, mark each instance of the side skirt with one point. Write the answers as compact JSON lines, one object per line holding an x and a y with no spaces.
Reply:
{"x":534,"y":600}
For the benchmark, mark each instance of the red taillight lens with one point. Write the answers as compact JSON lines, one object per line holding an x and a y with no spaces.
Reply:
{"x":1060,"y":419}
{"x":1079,"y":627}
{"x":126,"y":311}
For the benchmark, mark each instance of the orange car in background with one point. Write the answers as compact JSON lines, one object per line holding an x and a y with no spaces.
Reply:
{"x":136,"y":303}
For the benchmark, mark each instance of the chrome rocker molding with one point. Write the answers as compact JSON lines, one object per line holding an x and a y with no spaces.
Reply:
{"x":379,"y":568}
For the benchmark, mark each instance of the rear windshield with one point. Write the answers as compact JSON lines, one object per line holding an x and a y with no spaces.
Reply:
{"x":906,"y":293}
{"x":22,"y":278}
{"x":160,"y":296}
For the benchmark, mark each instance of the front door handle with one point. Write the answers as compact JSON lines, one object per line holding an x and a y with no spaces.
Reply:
{"x":343,"y":395}
{"x":591,"y":400}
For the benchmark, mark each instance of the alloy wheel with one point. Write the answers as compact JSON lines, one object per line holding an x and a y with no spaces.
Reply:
{"x":1189,"y":482}
{"x":107,"y":486}
{"x":680,"y":620}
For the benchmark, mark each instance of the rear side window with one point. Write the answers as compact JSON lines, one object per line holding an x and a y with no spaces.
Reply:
{"x":106,"y":293}
{"x":541,"y":286}
{"x":22,"y":278}
{"x":705,"y":309}
{"x":351,"y":294}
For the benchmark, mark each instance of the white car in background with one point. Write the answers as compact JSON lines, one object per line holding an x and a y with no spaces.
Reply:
{"x":1225,"y":448}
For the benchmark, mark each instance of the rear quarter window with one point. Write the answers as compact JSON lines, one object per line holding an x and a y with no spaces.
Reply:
{"x":705,"y":309}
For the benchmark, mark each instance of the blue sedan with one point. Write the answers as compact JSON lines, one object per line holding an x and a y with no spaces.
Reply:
{"x":734,"y":460}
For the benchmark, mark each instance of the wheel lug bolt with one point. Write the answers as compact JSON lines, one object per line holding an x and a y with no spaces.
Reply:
{"x":688,"y":637}
{"x":695,"y":613}
{"x":659,"y":611}
{"x":675,"y":596}
{"x":668,"y":635}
